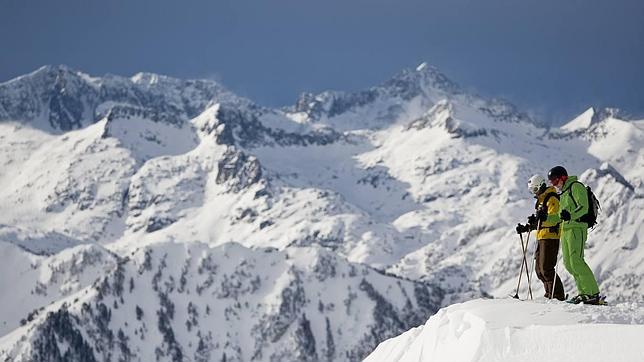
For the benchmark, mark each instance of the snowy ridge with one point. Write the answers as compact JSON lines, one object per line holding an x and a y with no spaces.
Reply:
{"x":510,"y":330}
{"x":413,"y":183}
{"x":57,"y":98}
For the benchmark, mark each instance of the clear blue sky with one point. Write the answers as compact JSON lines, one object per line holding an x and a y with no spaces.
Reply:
{"x":551,"y":56}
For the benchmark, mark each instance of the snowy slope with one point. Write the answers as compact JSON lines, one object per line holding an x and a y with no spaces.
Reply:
{"x":37,"y":281}
{"x":509,"y":330}
{"x":412,"y":181}
{"x":581,"y":122}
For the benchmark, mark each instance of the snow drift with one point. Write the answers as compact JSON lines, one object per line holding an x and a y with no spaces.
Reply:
{"x":511,"y":330}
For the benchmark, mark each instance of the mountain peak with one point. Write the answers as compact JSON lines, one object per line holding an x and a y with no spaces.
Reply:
{"x":54,"y":68}
{"x":580,"y":122}
{"x":64,"y":71}
{"x":592,"y":116}
{"x":423,"y":79}
{"x":49,"y":74}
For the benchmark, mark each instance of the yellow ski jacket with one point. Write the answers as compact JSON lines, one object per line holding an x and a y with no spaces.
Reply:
{"x":549,"y":229}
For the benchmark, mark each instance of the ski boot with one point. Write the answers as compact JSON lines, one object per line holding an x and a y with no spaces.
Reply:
{"x":594,"y":299}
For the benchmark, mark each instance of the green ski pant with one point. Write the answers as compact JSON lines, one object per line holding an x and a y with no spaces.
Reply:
{"x":572,"y":245}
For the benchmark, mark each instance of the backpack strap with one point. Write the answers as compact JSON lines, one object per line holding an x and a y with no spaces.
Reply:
{"x":545,"y":204}
{"x":577,"y":206}
{"x":545,"y":200}
{"x":548,"y":196}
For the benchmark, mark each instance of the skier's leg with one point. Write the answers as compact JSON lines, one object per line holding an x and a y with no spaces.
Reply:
{"x":559,"y":292}
{"x":550,"y":251}
{"x":565,"y":249}
{"x":540,"y":259}
{"x":584,"y":278}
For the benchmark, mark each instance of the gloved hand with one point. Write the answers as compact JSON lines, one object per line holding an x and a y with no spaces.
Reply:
{"x":532,"y":221}
{"x":542,"y":214}
{"x":522,"y":229}
{"x":565,"y":215}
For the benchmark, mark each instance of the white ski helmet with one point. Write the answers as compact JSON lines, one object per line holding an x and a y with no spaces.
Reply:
{"x":535,"y":182}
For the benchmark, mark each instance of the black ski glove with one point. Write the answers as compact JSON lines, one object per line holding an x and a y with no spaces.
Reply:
{"x":542,"y":214}
{"x":565,"y":215}
{"x":532,"y":221}
{"x":522,"y":229}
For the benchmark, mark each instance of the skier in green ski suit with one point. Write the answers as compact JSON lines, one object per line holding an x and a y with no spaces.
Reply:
{"x":573,"y":204}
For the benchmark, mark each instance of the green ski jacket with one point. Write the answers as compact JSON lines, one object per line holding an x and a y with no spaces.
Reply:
{"x":573,"y":198}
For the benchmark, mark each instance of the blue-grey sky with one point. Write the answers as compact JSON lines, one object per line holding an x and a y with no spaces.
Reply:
{"x":549,"y":56}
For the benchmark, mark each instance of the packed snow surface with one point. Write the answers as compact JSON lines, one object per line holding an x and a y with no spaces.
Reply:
{"x":511,"y":330}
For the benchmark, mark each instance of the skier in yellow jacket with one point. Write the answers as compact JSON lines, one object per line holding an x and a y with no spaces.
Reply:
{"x":547,"y":236}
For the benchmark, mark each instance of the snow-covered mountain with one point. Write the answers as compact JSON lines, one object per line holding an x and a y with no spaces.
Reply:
{"x":189,"y":301}
{"x":359,"y":213}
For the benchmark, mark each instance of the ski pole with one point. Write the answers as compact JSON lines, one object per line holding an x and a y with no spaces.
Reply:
{"x":534,"y":259}
{"x":523,"y":262}
{"x":527,"y":242}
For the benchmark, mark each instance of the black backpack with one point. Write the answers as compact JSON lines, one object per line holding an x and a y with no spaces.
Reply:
{"x":594,"y":208}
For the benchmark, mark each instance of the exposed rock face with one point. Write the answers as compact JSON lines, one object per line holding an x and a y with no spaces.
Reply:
{"x":243,"y":128}
{"x":239,"y":170}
